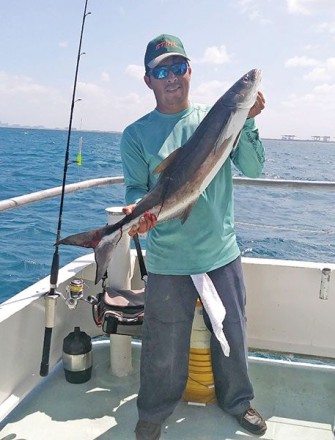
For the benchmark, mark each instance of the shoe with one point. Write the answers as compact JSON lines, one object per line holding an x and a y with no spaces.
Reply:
{"x":252,"y":421}
{"x":147,"y":430}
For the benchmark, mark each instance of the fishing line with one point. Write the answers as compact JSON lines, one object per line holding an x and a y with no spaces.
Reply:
{"x":52,"y":295}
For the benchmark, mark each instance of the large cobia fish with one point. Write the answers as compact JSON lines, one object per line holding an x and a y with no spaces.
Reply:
{"x":185,"y":174}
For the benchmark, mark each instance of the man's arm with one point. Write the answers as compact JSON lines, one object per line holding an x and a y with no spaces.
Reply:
{"x":249,"y":155}
{"x":135,"y":167}
{"x":135,"y":170}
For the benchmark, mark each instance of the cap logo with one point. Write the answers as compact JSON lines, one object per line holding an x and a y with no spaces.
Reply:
{"x":165,"y":43}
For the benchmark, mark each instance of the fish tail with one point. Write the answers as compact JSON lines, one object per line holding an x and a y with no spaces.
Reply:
{"x":102,"y":240}
{"x":103,"y":253}
{"x":88,"y":239}
{"x":91,"y":239}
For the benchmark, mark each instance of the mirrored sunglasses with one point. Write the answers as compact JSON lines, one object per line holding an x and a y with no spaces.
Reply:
{"x":162,"y":72}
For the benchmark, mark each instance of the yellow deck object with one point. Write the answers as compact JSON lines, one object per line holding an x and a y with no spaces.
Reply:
{"x":200,"y":384}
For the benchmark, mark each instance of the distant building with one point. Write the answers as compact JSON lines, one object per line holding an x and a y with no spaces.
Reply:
{"x":288,"y":137}
{"x":321,"y":138}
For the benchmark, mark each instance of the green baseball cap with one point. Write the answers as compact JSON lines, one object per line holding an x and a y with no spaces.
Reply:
{"x":162,"y":47}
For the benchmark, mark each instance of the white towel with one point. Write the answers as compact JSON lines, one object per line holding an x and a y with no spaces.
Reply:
{"x":213,"y":306}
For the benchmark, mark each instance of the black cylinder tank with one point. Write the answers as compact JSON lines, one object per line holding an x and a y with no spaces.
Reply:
{"x":77,"y":356}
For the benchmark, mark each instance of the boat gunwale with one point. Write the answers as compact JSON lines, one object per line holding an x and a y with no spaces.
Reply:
{"x":22,"y":200}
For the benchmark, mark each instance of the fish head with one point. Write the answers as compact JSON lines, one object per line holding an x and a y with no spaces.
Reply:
{"x":243,"y":93}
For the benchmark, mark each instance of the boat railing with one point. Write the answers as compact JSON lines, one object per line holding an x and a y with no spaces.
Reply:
{"x":38,"y":196}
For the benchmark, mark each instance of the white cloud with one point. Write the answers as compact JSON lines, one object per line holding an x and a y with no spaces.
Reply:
{"x":21,"y":99}
{"x":302,"y":112}
{"x":327,"y":27}
{"x":26,"y":102}
{"x":209,"y":92}
{"x":130,"y":99}
{"x":330,"y":64}
{"x":326,"y":89}
{"x":214,"y":55}
{"x":135,"y":71}
{"x":105,"y":77}
{"x":322,"y":70}
{"x":301,"y":61}
{"x":12,"y":84}
{"x":252,"y":10}
{"x":309,"y":7}
{"x":318,"y":99}
{"x":290,"y":101}
{"x":299,"y":6}
{"x":103,"y":108}
{"x":63,"y":44}
{"x":318,"y":74}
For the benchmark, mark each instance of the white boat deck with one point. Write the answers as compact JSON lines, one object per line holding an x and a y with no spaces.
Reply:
{"x":296,"y":399}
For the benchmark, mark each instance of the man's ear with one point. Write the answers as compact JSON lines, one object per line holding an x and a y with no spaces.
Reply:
{"x":147,"y":80}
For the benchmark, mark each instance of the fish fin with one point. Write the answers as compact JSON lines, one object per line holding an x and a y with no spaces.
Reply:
{"x":166,"y":162}
{"x":236,"y":142}
{"x":103,"y":253}
{"x":184,"y":215}
{"x":88,"y":239}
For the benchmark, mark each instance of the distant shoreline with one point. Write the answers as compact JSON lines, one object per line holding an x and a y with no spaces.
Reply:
{"x":76,"y":130}
{"x":298,"y":140}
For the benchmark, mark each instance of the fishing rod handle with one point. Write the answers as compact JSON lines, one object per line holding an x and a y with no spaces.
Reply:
{"x":44,"y":368}
{"x":50,"y":308}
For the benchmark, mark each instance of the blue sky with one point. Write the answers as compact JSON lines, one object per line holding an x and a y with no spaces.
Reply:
{"x":291,"y":41}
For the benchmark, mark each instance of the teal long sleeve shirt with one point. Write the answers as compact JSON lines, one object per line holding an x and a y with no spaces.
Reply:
{"x":207,"y":239}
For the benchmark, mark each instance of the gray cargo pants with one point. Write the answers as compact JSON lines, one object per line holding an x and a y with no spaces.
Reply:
{"x":169,"y":310}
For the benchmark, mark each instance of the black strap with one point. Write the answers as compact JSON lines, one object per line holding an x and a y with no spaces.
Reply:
{"x":143,"y":269}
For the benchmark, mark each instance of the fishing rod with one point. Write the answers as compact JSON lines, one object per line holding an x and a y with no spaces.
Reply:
{"x":52,"y":295}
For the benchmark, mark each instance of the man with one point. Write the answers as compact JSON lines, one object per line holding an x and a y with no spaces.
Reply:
{"x":205,"y":243}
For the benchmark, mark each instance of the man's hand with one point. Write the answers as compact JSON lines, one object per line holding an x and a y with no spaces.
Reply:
{"x":147,"y":221}
{"x":258,"y":106}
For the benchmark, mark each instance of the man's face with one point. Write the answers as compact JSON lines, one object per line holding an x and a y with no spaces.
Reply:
{"x":171,"y":93}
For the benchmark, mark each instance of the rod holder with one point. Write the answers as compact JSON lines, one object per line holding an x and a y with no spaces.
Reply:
{"x":119,"y":276}
{"x":325,"y":281}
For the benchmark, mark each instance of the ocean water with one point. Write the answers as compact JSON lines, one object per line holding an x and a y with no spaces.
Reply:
{"x":270,"y":223}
